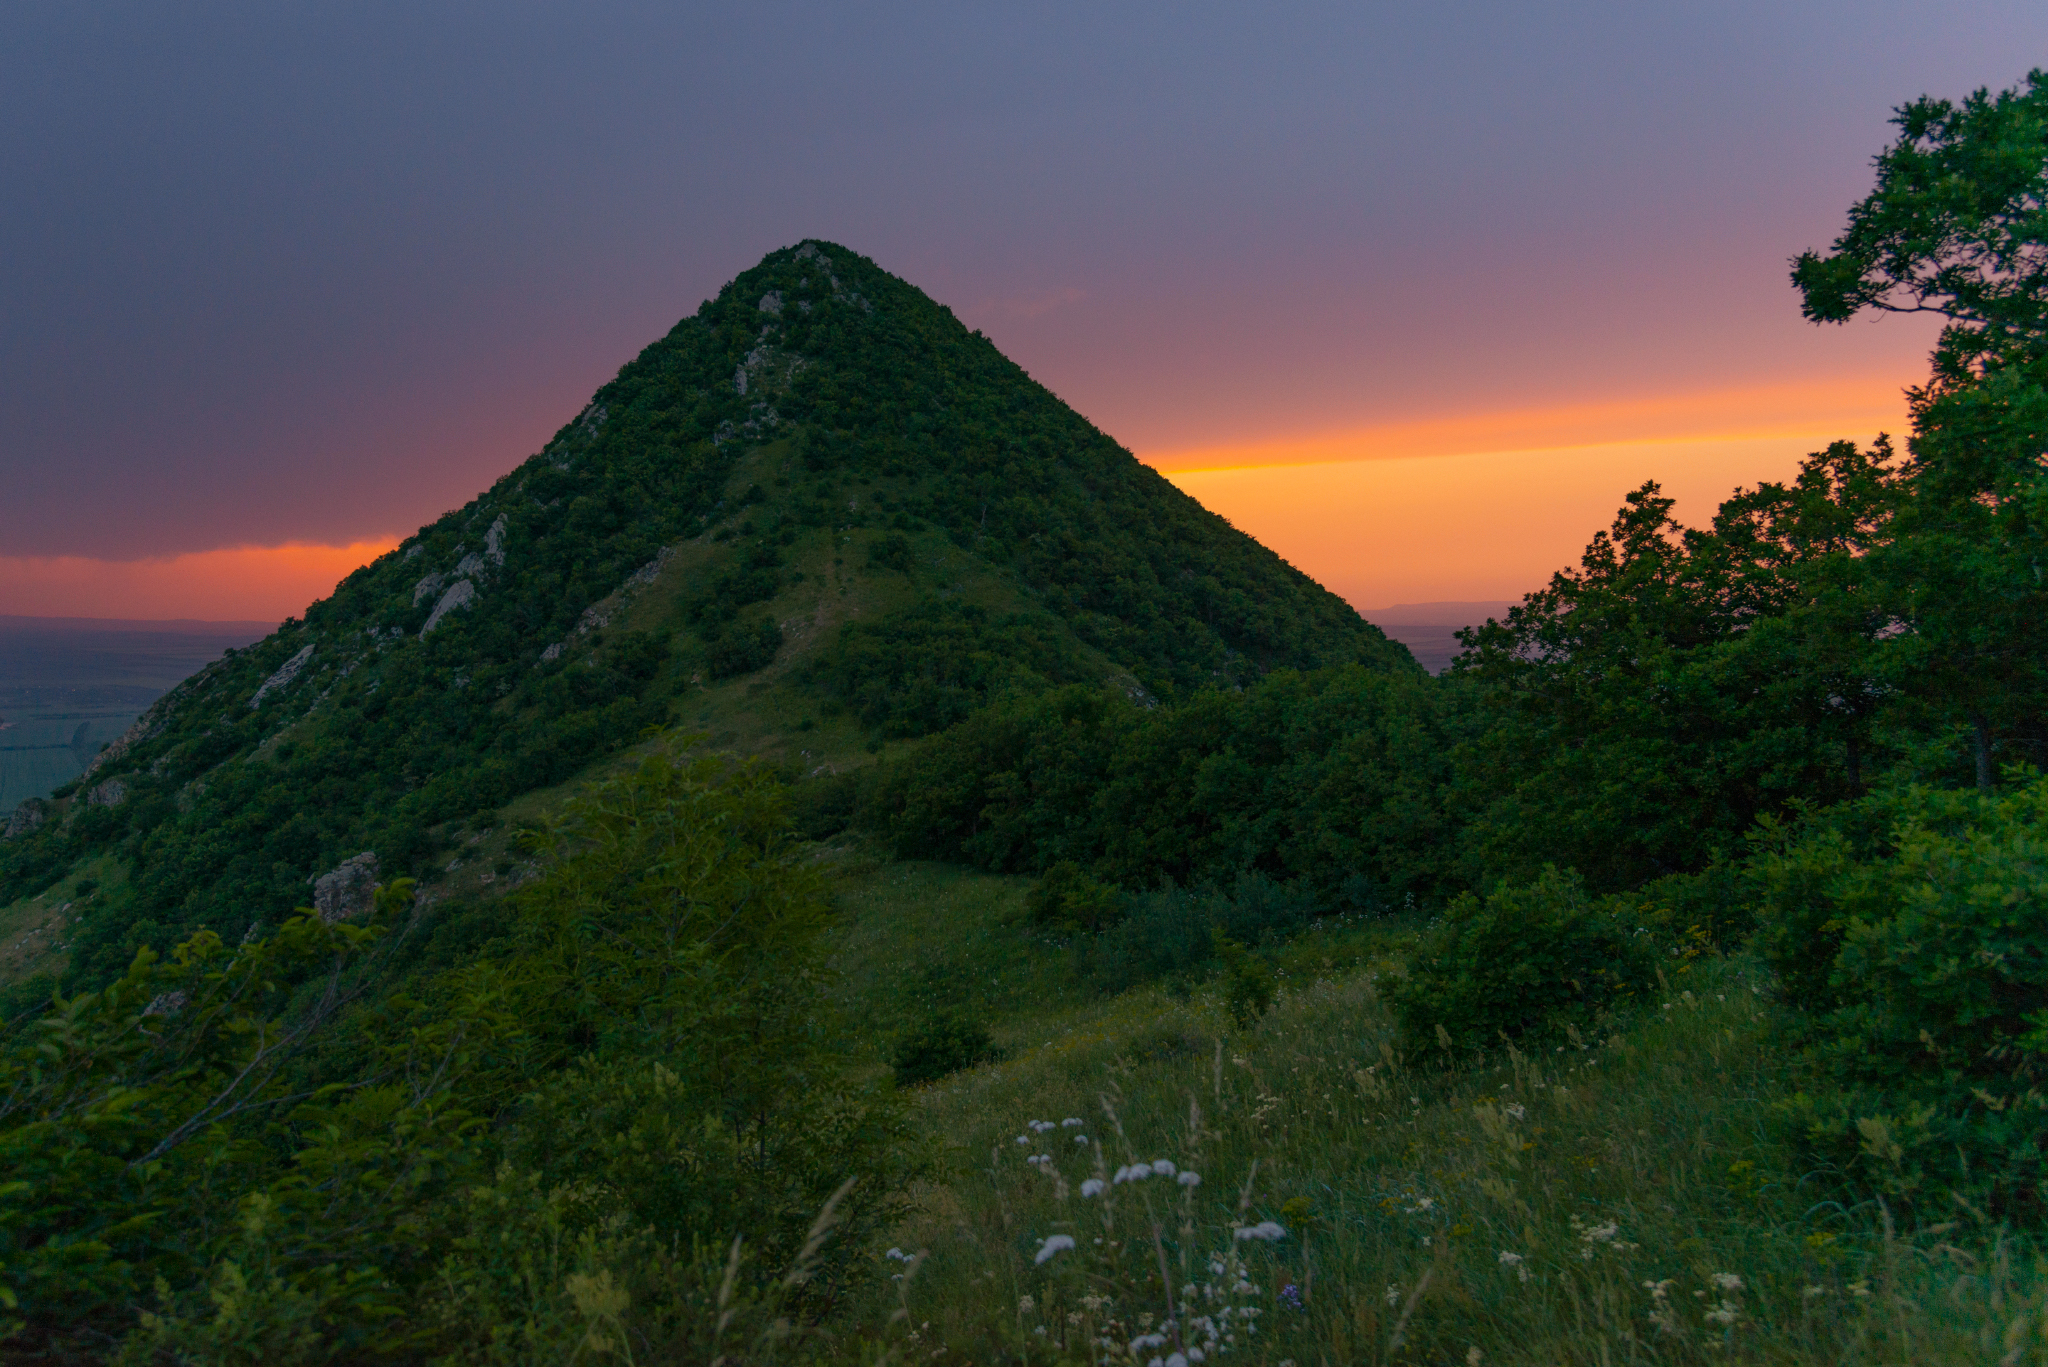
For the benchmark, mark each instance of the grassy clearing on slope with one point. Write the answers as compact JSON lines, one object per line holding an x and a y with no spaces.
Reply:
{"x":1617,"y":1202}
{"x":34,"y":930}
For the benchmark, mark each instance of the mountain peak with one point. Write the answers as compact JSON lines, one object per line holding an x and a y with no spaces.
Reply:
{"x":817,"y":518}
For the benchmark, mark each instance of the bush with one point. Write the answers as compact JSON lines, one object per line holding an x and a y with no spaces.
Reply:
{"x":1925,"y":957}
{"x":1523,"y":960}
{"x":822,"y":807}
{"x":1170,"y":933}
{"x":891,"y":552}
{"x":945,"y":1043}
{"x":742,"y":649}
{"x":1247,"y":981}
{"x":1068,"y":899}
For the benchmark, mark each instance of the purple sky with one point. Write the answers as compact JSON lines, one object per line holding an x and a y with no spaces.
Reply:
{"x":316,"y":273}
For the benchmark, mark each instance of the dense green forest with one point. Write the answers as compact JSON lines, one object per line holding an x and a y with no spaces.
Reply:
{"x":1113,"y":928}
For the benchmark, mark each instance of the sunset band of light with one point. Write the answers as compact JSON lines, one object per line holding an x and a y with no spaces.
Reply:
{"x":1807,"y":411}
{"x":253,"y":583}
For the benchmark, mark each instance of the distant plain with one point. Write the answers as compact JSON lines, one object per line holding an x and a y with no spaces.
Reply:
{"x":69,"y":685}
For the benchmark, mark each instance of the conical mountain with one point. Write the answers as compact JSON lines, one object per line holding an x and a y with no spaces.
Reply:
{"x":817,"y":517}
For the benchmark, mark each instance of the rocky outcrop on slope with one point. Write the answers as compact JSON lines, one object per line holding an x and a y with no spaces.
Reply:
{"x":286,"y":672}
{"x":25,"y":818}
{"x":348,"y":890}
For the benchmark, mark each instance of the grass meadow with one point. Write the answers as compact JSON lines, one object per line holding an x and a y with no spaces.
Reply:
{"x":1628,"y":1198}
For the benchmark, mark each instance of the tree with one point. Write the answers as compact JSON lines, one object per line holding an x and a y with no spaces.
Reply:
{"x":1958,"y":226}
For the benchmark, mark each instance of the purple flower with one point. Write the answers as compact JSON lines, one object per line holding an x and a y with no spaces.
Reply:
{"x":1290,"y":1296}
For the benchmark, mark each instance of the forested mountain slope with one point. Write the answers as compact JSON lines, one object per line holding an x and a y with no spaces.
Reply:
{"x":818,"y":499}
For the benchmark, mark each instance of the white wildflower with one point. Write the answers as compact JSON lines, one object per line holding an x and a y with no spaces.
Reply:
{"x":1025,"y":1305}
{"x":1071,"y":1121}
{"x":1514,"y":1110}
{"x":1092,"y":1187}
{"x":1517,"y":1262}
{"x":1054,"y":1243}
{"x":898,"y":1254}
{"x":1724,"y":1313}
{"x":1726,"y":1281}
{"x":1162,"y":1167}
{"x":1023,"y":1139}
{"x":1813,"y":1291}
{"x":1080,"y":1139}
{"x":1189,"y":1179}
{"x":1176,"y":1360}
{"x":1393,"y":1293}
{"x":1040,"y":1126}
{"x":1265,"y":1230}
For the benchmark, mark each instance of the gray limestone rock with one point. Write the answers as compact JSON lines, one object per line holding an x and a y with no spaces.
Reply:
{"x":460,"y":594}
{"x":427,"y":587}
{"x":112,"y":793}
{"x":286,"y":672}
{"x":494,"y":541}
{"x":771,"y":303}
{"x":32,"y":813}
{"x":348,"y":890}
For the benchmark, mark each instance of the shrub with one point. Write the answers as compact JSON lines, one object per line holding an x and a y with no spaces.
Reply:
{"x":891,"y":552}
{"x":945,"y":1043}
{"x":822,"y":807}
{"x":742,"y":648}
{"x":1925,"y":957}
{"x":1523,"y":960}
{"x":1069,"y":899}
{"x":1247,"y":981}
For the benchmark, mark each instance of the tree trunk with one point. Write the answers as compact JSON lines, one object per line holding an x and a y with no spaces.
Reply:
{"x":1980,"y":730}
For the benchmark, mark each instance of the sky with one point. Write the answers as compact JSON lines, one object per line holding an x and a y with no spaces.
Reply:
{"x":1415,"y":294}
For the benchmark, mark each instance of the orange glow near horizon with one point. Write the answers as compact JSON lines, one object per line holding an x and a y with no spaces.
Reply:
{"x":1488,"y":506}
{"x":1809,"y":410}
{"x":1488,"y":525}
{"x":1463,"y":507}
{"x":236,"y":583}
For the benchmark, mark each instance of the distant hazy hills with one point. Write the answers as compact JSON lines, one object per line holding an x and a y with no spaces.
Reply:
{"x":1429,"y":630}
{"x":69,"y":685}
{"x":818,"y":518}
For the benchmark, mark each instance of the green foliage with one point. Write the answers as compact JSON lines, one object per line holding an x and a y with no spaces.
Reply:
{"x":1915,"y":927}
{"x":1247,"y":981}
{"x":1649,"y":706}
{"x":1954,"y":227}
{"x":944,"y":1042}
{"x":1065,"y":898}
{"x":132,"y":1117}
{"x":271,"y":1160}
{"x":742,"y":648}
{"x":1333,"y":779}
{"x":930,"y":665}
{"x":1534,"y":959}
{"x":891,"y":552}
